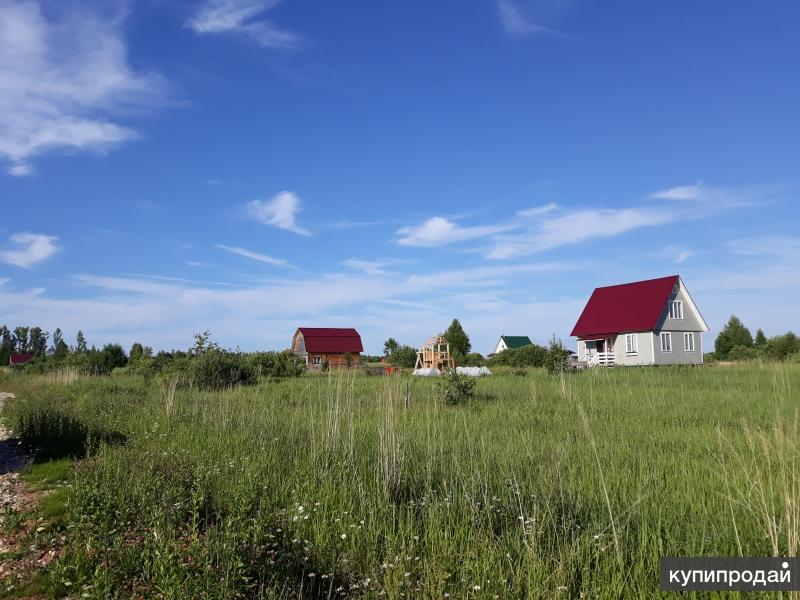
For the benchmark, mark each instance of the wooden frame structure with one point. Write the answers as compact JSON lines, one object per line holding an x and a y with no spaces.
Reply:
{"x":435,"y":354}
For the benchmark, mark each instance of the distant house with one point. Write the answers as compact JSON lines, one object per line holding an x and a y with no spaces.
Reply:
{"x":327,"y":345}
{"x":653,"y":322}
{"x":19,"y":358}
{"x":512,"y":342}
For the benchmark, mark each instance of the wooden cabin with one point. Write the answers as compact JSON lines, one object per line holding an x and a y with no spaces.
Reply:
{"x":338,"y":348}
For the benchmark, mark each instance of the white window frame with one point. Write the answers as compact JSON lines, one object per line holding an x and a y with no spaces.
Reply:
{"x":676,"y":309}
{"x":666,"y":335}
{"x":631,"y":343}
{"x":316,"y":360}
{"x":688,"y":342}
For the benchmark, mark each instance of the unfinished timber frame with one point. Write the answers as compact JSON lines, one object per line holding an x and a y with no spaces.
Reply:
{"x":435,"y":354}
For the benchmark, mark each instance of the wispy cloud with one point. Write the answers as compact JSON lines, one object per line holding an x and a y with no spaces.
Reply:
{"x":578,"y":226}
{"x":4,"y":280}
{"x":372,"y":267}
{"x":279,"y":211}
{"x":516,"y":22}
{"x":63,"y":73}
{"x":682,"y":192}
{"x":768,"y":245}
{"x":33,"y":248}
{"x":537,"y":211}
{"x":683,"y":256}
{"x":439,"y":231}
{"x":242,"y":16}
{"x":264,"y":258}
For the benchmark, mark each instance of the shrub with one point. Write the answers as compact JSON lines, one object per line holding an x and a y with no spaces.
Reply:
{"x":456,"y":388}
{"x":557,"y":359}
{"x":276,"y":364}
{"x":739,"y":352}
{"x":473,"y":359}
{"x":403,"y":356}
{"x":215,"y":369}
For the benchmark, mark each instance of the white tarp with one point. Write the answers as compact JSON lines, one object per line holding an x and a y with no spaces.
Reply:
{"x":474,"y":371}
{"x":427,"y":372}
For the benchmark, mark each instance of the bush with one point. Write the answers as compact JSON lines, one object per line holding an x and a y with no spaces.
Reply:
{"x":473,"y":359}
{"x":403,"y":356}
{"x":456,"y":388}
{"x":557,"y":359}
{"x":532,"y":355}
{"x":215,"y":369}
{"x":276,"y":364}
{"x":742,"y":353}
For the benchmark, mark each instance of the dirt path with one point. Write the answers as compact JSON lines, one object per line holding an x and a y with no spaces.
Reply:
{"x":15,"y":499}
{"x":12,"y":460}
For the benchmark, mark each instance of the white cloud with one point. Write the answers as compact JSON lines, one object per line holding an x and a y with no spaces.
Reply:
{"x":279,"y":211}
{"x":372,"y":267}
{"x":682,"y":192}
{"x":34,"y":248}
{"x":682,"y":256}
{"x":264,"y":258}
{"x":578,"y":226}
{"x":438,"y":231}
{"x":62,"y":77}
{"x":4,"y":280}
{"x":515,"y":22}
{"x":241,"y":16}
{"x":538,"y":210}
{"x":775,"y":245}
{"x":165,"y":312}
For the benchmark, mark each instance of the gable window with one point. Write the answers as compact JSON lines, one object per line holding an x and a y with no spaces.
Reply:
{"x":676,"y":309}
{"x":688,"y":342}
{"x":631,"y":343}
{"x":666,"y":341}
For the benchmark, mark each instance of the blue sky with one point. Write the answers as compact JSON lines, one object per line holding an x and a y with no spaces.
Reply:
{"x":250,"y":166}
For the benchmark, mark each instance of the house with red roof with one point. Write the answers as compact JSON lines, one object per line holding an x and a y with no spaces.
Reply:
{"x":652,"y":322}
{"x":20,"y":358}
{"x":337,"y":347}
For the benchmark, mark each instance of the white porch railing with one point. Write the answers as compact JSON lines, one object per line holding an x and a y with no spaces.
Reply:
{"x":601,"y":359}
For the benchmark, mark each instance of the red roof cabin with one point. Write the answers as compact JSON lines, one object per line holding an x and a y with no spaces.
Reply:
{"x":338,"y":348}
{"x":652,"y":322}
{"x":19,"y":358}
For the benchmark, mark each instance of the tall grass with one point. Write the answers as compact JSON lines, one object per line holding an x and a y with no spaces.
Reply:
{"x":539,"y":487}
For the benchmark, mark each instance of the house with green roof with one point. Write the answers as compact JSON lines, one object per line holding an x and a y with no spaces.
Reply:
{"x":512,"y":341}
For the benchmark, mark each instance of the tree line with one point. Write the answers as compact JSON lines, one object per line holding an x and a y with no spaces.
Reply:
{"x":735,"y":342}
{"x":205,"y":364}
{"x":553,"y":357}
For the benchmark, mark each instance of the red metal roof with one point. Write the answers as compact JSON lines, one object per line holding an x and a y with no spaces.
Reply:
{"x":331,"y":340}
{"x":20,"y":358}
{"x":624,"y":308}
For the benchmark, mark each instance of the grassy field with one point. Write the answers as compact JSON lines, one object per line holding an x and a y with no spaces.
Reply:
{"x":345,"y":485}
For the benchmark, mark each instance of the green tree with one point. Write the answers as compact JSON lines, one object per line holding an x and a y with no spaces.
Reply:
{"x":203,"y":343}
{"x":21,"y":339}
{"x":111,"y":357}
{"x":60,"y":347}
{"x":733,"y":334}
{"x":137,"y":352}
{"x":760,"y":339}
{"x":782,"y":346}
{"x":403,"y":356}
{"x":6,"y":345}
{"x":557,"y":359}
{"x":459,"y":340}
{"x":390,"y":346}
{"x":37,"y":341}
{"x":80,"y":340}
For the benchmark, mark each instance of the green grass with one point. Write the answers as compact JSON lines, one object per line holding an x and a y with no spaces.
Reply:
{"x":538,"y":487}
